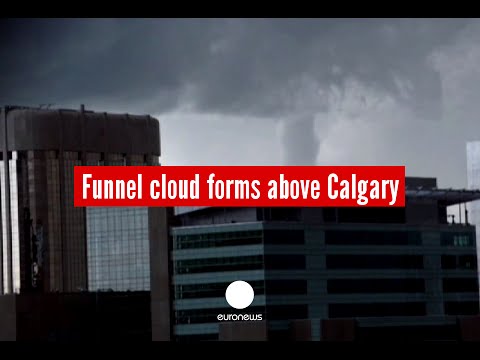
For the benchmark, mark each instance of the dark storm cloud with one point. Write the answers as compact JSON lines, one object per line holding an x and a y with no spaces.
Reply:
{"x":281,"y":69}
{"x":67,"y":60}
{"x":234,"y":66}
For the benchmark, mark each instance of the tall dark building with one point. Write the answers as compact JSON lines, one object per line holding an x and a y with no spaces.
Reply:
{"x":47,"y":244}
{"x":381,"y":267}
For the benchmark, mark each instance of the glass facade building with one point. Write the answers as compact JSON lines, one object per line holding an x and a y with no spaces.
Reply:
{"x":46,"y":243}
{"x":118,"y":249}
{"x":118,"y":238}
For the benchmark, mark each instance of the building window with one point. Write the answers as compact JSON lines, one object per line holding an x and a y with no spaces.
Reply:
{"x":457,"y":239}
{"x":342,"y":237}
{"x":218,"y":264}
{"x":287,"y":312}
{"x":284,"y":237}
{"x":209,"y":240}
{"x":278,"y":214}
{"x":459,"y":285}
{"x":376,"y":309}
{"x":285,"y":262}
{"x":354,"y":286}
{"x":364,"y":215}
{"x":464,"y":262}
{"x":286,"y":287}
{"x":461,"y":308}
{"x":374,"y":262}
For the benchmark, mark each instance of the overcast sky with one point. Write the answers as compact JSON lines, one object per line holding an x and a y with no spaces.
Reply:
{"x":265,"y":92}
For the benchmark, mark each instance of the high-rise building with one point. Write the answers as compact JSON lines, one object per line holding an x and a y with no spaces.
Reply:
{"x":47,"y":244}
{"x":410,"y":267}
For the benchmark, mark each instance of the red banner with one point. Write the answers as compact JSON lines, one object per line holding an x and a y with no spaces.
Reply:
{"x":301,"y":186}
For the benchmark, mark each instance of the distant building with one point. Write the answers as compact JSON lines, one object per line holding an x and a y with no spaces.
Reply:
{"x":473,"y":176}
{"x":381,"y":266}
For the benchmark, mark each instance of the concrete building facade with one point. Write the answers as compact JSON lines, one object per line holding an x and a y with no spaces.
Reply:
{"x":381,"y":265}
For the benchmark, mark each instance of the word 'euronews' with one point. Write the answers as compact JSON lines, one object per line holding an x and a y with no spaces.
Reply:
{"x":162,"y":189}
{"x":239,"y":317}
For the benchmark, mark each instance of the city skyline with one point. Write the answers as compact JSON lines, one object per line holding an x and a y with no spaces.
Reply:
{"x":151,"y":92}
{"x":188,"y":261}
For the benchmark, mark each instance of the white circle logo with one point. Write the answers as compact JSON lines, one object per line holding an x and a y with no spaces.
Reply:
{"x":239,"y":294}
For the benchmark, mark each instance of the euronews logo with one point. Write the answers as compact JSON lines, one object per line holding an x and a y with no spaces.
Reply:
{"x":239,"y":295}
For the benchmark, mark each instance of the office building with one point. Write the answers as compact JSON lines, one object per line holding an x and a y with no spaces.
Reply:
{"x":47,"y":244}
{"x":440,"y":329}
{"x":399,"y":267}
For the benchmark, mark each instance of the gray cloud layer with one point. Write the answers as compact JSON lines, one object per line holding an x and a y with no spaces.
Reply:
{"x":403,"y":86}
{"x":236,"y":66}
